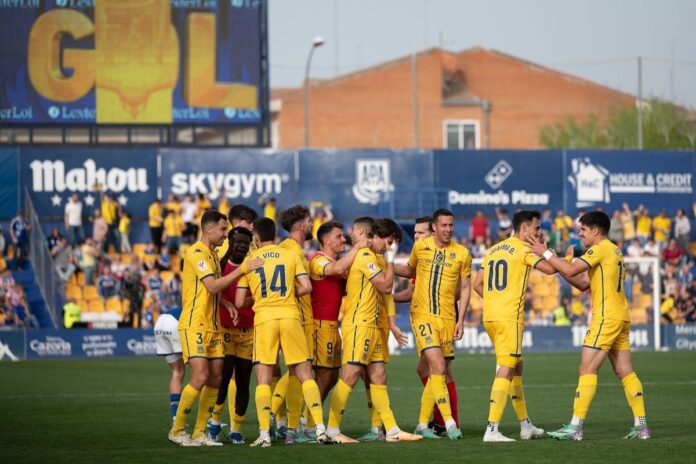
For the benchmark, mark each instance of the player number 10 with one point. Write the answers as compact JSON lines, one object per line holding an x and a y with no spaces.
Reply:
{"x":497,"y":275}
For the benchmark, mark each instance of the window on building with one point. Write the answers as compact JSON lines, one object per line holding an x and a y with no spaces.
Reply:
{"x":461,"y":135}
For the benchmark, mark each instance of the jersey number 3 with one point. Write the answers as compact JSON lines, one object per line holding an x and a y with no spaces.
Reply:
{"x":277,"y":281}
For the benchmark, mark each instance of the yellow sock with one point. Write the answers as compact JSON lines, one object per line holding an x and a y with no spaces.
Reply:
{"x":236,"y":424}
{"x":587,"y":387}
{"x":293,"y":402}
{"x":375,"y":420}
{"x":231,"y":399}
{"x":634,"y":394}
{"x":311,"y":396}
{"x":188,"y":397}
{"x":339,"y":400}
{"x":216,"y":416}
{"x":517,"y":398}
{"x":206,"y":403}
{"x":427,"y":402}
{"x":499,"y":394}
{"x":279,"y":393}
{"x":263,"y":406}
{"x":309,"y":418}
{"x":380,"y":400}
{"x":438,"y":387}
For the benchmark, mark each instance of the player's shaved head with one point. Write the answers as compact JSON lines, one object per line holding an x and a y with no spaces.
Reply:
{"x":326,"y":228}
{"x":365,"y":223}
{"x":265,"y":229}
{"x":211,"y":216}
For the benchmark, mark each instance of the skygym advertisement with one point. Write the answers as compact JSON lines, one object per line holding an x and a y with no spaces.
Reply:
{"x":132,"y":62}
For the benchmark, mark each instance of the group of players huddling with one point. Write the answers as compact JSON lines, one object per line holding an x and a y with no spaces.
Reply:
{"x":246,"y":299}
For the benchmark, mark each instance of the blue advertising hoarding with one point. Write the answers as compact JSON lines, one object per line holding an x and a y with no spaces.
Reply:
{"x":128,"y":62}
{"x":355,"y":181}
{"x":607,"y":179}
{"x":242,"y":175}
{"x":52,"y":175}
{"x":9,"y":182}
{"x":492,"y":179}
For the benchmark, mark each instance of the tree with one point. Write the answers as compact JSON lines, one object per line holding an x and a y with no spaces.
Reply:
{"x":665,"y":125}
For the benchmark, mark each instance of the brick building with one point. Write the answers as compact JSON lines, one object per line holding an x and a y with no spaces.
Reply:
{"x":477,"y":98}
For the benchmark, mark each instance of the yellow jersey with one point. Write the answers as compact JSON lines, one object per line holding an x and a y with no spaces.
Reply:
{"x":506,"y":269}
{"x":270,"y":211}
{"x":643,"y":224}
{"x":386,"y":307}
{"x":662,"y":226}
{"x":174,"y":226}
{"x":174,"y":206}
{"x":438,"y":274}
{"x":305,"y":301}
{"x":154,"y":214}
{"x":361,"y":304}
{"x":124,"y":225}
{"x":273,"y":284}
{"x":109,"y":211}
{"x":607,"y":272}
{"x":198,"y":306}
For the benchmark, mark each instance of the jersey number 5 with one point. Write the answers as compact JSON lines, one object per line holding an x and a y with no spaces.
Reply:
{"x":277,"y":281}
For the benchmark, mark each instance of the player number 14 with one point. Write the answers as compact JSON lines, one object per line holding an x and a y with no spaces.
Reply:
{"x":278,"y":284}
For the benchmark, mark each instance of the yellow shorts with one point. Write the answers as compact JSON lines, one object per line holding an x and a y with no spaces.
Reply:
{"x":433,"y":332}
{"x":238,"y":341}
{"x":361,"y":345}
{"x":200,"y":344}
{"x":385,"y":343}
{"x":507,"y":341}
{"x":327,"y":345}
{"x":270,"y":336}
{"x":608,"y":334}
{"x":309,"y":336}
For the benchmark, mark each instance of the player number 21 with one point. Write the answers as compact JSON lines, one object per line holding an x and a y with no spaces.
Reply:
{"x":277,"y":281}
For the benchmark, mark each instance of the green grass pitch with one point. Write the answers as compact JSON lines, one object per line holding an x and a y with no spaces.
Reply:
{"x":96,"y":411}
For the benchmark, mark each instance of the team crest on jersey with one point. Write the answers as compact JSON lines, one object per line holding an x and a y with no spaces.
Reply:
{"x":372,"y":267}
{"x":439,"y":257}
{"x":372,"y":180}
{"x":202,"y":265}
{"x":589,"y":252}
{"x":452,"y":255}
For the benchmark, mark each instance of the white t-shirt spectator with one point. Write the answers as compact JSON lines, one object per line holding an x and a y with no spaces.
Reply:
{"x":188,"y":211}
{"x":73,"y":211}
{"x":682,"y":226}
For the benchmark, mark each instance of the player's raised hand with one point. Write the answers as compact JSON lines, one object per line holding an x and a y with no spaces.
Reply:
{"x":390,"y":254}
{"x":537,"y":244}
{"x":570,"y":251}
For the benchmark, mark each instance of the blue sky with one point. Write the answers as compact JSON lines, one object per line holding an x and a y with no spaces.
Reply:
{"x":595,"y":39}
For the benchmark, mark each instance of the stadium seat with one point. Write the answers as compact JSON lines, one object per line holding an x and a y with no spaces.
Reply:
{"x":80,"y":279}
{"x":125,"y":306}
{"x":73,"y":291}
{"x":167,"y":276}
{"x":83,"y":305}
{"x":114,"y":304}
{"x":89,"y":292}
{"x":139,"y":249}
{"x":125,"y":258}
{"x":96,"y":305}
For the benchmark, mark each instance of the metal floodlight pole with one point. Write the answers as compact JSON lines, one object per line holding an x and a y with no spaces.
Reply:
{"x":316,"y":43}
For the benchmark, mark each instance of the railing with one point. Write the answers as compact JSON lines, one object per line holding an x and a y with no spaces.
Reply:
{"x":50,"y":285}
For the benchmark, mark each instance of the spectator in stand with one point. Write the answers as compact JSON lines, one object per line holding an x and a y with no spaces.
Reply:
{"x":24,"y":315}
{"x":109,"y":210}
{"x":147,"y":318}
{"x":155,"y":284}
{"x":63,"y":259}
{"x":685,"y":276}
{"x":204,"y":205}
{"x":504,"y":224}
{"x":662,"y":225}
{"x":135,"y":266}
{"x":124,"y":227}
{"x":669,"y":283}
{"x":150,"y":256}
{"x":19,"y":233}
{"x":650,"y":248}
{"x":133,"y":291}
{"x":164,"y":262}
{"x":479,"y":228}
{"x":173,"y":204}
{"x":224,"y":205}
{"x":155,"y":220}
{"x":616,"y":231}
{"x":107,"y":286}
{"x":479,"y":249}
{"x":53,"y":239}
{"x":71,"y":313}
{"x":673,"y":254}
{"x":189,"y":211}
{"x":643,"y":225}
{"x":118,"y":269}
{"x":629,"y":228}
{"x":682,"y":230}
{"x":73,"y":220}
{"x":173,"y":232}
{"x":270,"y":209}
{"x":100,"y":229}
{"x":89,"y":256}
{"x":562,"y":225}
{"x":321,"y":213}
{"x":546,"y":222}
